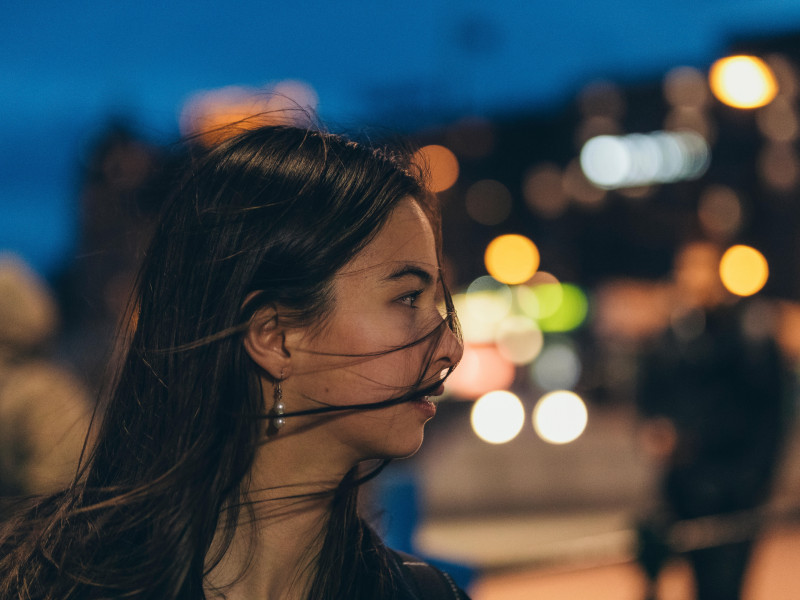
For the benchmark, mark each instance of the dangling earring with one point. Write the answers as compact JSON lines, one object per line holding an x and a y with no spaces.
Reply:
{"x":278,"y":408}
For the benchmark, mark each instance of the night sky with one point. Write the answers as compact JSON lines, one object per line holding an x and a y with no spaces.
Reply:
{"x":67,"y":69}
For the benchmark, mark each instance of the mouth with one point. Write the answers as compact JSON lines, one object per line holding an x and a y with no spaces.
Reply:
{"x":432,"y":392}
{"x":427,"y":405}
{"x":429,"y":397}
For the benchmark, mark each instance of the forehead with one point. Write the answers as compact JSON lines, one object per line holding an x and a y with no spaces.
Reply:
{"x":407,"y":237}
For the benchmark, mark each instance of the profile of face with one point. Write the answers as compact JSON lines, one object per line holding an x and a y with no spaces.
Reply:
{"x":384,"y":337}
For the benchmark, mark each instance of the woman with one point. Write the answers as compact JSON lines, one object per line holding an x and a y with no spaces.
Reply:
{"x":287,"y":330}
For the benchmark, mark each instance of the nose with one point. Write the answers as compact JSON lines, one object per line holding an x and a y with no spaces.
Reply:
{"x":450,"y":348}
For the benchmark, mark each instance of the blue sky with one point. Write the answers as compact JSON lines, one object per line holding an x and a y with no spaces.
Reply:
{"x":66,"y":67}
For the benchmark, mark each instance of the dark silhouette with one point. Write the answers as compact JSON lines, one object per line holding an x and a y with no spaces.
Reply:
{"x":721,"y":392}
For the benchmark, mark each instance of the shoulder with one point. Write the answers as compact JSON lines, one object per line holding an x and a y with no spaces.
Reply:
{"x":427,"y":581}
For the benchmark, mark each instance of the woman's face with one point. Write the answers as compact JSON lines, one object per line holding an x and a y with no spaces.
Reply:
{"x":385,"y":298}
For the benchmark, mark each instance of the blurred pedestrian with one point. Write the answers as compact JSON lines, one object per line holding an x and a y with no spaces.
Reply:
{"x":44,"y":409}
{"x":712,"y":392}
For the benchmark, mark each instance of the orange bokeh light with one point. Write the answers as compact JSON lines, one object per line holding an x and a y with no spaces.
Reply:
{"x":743,"y":270}
{"x":216,"y":115}
{"x":482,"y":369}
{"x":511,"y":258}
{"x":743,"y":81}
{"x":441,"y":164}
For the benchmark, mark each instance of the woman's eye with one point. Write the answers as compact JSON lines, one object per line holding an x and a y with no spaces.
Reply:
{"x":410,"y":299}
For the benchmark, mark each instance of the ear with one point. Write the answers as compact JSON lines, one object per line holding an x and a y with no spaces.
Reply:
{"x":265,"y":343}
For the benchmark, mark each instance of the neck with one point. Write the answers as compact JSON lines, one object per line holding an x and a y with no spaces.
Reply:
{"x":281,"y":528}
{"x":272,"y":554}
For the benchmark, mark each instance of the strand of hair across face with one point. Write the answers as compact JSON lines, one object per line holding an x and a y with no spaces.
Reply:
{"x":450,"y":321}
{"x":426,"y":391}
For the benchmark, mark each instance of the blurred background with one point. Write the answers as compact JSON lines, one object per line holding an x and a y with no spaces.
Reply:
{"x":620,"y":184}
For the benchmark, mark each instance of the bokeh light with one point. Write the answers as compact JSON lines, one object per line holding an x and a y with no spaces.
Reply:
{"x":519,"y":339}
{"x":720,"y":212}
{"x":485,"y":303}
{"x":560,"y":417}
{"x":686,"y":86}
{"x":639,"y":159}
{"x":778,"y":120}
{"x":695,"y":274}
{"x":294,"y":94}
{"x":540,"y":299}
{"x":743,"y":270}
{"x":211,"y":114}
{"x":606,"y":161}
{"x":691,"y":118}
{"x":557,"y":367}
{"x":497,"y":417}
{"x":743,"y":81}
{"x":441,"y":164}
{"x":779,"y":166}
{"x":571,"y":311}
{"x":511,"y":258}
{"x":488,"y":202}
{"x":481,"y":370}
{"x":578,"y":187}
{"x":629,"y":310}
{"x":543,"y":190}
{"x":216,"y":115}
{"x":785,"y":74}
{"x":543,"y":278}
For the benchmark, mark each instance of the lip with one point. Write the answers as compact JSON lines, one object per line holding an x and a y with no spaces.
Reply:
{"x":425,"y":406}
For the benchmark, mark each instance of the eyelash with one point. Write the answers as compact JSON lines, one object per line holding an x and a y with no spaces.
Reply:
{"x":411,"y":298}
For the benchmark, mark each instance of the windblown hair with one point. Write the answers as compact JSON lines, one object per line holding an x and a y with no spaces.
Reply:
{"x":264,"y":218}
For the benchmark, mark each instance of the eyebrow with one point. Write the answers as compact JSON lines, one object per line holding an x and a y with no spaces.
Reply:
{"x":410,"y":270}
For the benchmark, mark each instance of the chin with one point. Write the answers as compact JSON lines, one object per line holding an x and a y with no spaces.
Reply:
{"x":405,"y":450}
{"x":408,"y":453}
{"x":395,"y":449}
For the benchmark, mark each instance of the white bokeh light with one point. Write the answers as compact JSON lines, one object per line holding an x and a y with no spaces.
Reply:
{"x":560,"y":417}
{"x":640,"y":159}
{"x":606,"y":161}
{"x":557,"y":367}
{"x":519,"y":339}
{"x":497,"y":417}
{"x":484,"y":305}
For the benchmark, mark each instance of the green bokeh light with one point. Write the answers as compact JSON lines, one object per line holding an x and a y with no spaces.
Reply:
{"x":569,"y":314}
{"x":539,"y":301}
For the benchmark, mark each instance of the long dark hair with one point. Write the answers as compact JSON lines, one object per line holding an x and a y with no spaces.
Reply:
{"x":264,"y":218}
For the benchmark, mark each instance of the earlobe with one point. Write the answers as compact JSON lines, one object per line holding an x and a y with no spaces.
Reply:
{"x":265,"y":343}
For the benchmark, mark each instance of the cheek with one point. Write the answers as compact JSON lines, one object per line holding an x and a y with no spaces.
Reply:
{"x":370,"y":333}
{"x":384,"y":375}
{"x":368,"y":358}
